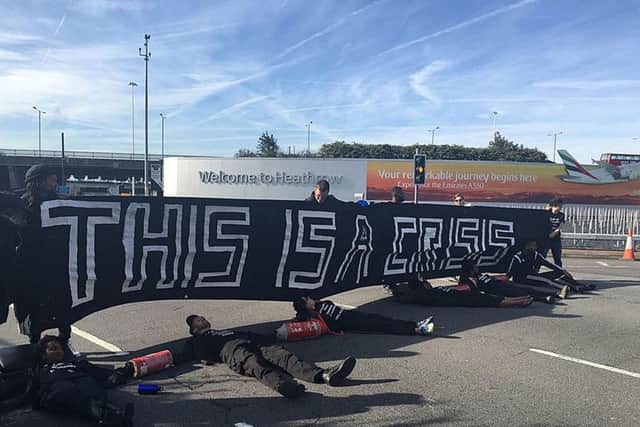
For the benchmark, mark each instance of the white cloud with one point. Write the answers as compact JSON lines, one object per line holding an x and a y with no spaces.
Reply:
{"x":235,"y":108}
{"x":587,"y":84}
{"x":419,"y":80}
{"x":10,"y":55}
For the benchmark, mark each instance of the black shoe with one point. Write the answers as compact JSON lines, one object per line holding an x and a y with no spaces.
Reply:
{"x":550,"y":299}
{"x":335,"y":374}
{"x":291,"y":389}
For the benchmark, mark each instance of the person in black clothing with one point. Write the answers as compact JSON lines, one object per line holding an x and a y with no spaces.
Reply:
{"x":255,"y":356}
{"x":69,"y":386}
{"x":41,"y":182}
{"x":484,"y":282}
{"x":555,"y":239}
{"x":339,"y":319}
{"x":320,"y":195}
{"x":419,"y":291}
{"x":525,"y":269}
{"x":397,"y":195}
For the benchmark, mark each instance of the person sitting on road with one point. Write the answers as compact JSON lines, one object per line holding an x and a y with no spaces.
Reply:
{"x":67,"y":385}
{"x":486,"y":283}
{"x":525,"y":269}
{"x":256,"y":356}
{"x":419,"y":291}
{"x":320,"y":195}
{"x":340,"y":319}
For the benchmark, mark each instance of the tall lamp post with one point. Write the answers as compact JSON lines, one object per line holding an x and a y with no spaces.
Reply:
{"x":133,"y":135}
{"x":433,"y":133}
{"x":40,"y":113}
{"x":308,"y":126}
{"x":146,"y":55}
{"x":555,"y":138}
{"x":162,"y":116}
{"x":493,"y":135}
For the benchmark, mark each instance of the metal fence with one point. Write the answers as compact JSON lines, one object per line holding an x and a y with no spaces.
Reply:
{"x":78,"y":154}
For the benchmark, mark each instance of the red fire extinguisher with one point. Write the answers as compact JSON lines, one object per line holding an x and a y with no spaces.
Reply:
{"x":151,"y":363}
{"x":296,"y":331}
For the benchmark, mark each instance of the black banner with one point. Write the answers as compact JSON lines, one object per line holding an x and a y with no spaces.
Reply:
{"x":104,"y":252}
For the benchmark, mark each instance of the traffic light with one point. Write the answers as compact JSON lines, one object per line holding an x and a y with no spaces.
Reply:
{"x":419,"y":168}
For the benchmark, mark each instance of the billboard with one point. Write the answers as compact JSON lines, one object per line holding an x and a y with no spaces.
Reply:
{"x":507,"y":182}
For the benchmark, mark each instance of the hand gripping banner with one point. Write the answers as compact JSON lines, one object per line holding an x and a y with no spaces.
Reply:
{"x":103,"y":252}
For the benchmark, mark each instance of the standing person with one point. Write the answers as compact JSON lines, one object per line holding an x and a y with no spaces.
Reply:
{"x":340,"y":319}
{"x":69,"y":386}
{"x":458,"y":200}
{"x":41,"y":182}
{"x":555,"y":239}
{"x":320,"y":195}
{"x":255,"y":356}
{"x":397,"y":195}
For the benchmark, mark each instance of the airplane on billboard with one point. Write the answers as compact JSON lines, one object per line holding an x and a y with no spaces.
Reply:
{"x":605,"y":173}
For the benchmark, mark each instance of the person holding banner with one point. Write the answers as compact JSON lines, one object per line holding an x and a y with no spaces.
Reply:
{"x":339,"y":319}
{"x":255,"y":356}
{"x":320,"y":195}
{"x":397,"y":195}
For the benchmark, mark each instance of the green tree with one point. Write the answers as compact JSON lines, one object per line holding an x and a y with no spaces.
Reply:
{"x":267,"y":145}
{"x":243,"y":152}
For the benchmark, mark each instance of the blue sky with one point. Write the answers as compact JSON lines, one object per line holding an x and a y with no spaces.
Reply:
{"x":381,"y":71}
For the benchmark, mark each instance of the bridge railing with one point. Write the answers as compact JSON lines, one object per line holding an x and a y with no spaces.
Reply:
{"x":77,"y":154}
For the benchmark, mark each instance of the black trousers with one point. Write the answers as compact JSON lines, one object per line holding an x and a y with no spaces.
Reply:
{"x":499,"y":288}
{"x":449,"y":298}
{"x":555,"y":245}
{"x":550,"y":279}
{"x":272,"y":365}
{"x":539,"y":293}
{"x":82,"y":397}
{"x":358,"y":321}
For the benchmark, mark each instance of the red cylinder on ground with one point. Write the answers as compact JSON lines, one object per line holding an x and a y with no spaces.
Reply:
{"x":296,"y":331}
{"x":151,"y":363}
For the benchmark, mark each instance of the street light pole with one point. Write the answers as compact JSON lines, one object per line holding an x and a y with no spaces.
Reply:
{"x":555,"y":137}
{"x":133,"y":135}
{"x":433,"y":132}
{"x":146,"y":56}
{"x":308,"y":126}
{"x":40,"y":113}
{"x":162,"y":116}
{"x":495,"y":113}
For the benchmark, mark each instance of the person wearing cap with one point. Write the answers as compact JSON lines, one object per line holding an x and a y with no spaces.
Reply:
{"x":339,"y":319}
{"x":556,"y":218}
{"x":256,"y":356}
{"x":32,"y":311}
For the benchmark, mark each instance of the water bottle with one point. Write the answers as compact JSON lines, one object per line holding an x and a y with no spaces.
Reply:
{"x":149,"y":388}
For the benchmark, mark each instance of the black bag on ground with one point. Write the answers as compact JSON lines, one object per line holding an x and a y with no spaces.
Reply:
{"x":16,"y":370}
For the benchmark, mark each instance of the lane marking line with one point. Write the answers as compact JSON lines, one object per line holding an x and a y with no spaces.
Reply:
{"x":586,"y":362}
{"x":97,"y":341}
{"x":348,"y":307}
{"x":602,"y":263}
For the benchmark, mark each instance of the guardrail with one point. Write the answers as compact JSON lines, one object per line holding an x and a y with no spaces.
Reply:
{"x":77,"y":154}
{"x":583,"y":236}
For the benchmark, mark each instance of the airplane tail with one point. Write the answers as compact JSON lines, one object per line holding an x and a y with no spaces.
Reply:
{"x":572,"y":166}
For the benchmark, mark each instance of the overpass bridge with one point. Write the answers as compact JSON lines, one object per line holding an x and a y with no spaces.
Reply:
{"x":114,"y":167}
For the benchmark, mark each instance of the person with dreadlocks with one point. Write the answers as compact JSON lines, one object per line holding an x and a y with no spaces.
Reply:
{"x":40,"y":186}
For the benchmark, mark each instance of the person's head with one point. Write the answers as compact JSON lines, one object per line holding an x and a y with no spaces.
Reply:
{"x":531,"y":247}
{"x":51,"y":349}
{"x":321,"y":191}
{"x":555,"y":204}
{"x":397,"y":195}
{"x":197,"y":324}
{"x":304,"y":304}
{"x":458,"y":199}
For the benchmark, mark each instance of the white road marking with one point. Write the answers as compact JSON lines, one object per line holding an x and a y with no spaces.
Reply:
{"x":348,"y":307}
{"x":586,"y":362}
{"x":602,"y":263}
{"x":97,"y":341}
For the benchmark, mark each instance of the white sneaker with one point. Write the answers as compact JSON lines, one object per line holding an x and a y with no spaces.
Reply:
{"x":426,"y":326}
{"x":73,"y":350}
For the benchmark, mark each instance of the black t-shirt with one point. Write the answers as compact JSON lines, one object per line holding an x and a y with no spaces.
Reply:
{"x":556,"y":219}
{"x":68,"y":370}
{"x":209,"y":345}
{"x":330,"y":313}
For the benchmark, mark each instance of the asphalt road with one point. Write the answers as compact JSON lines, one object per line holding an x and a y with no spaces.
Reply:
{"x":478,"y":370}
